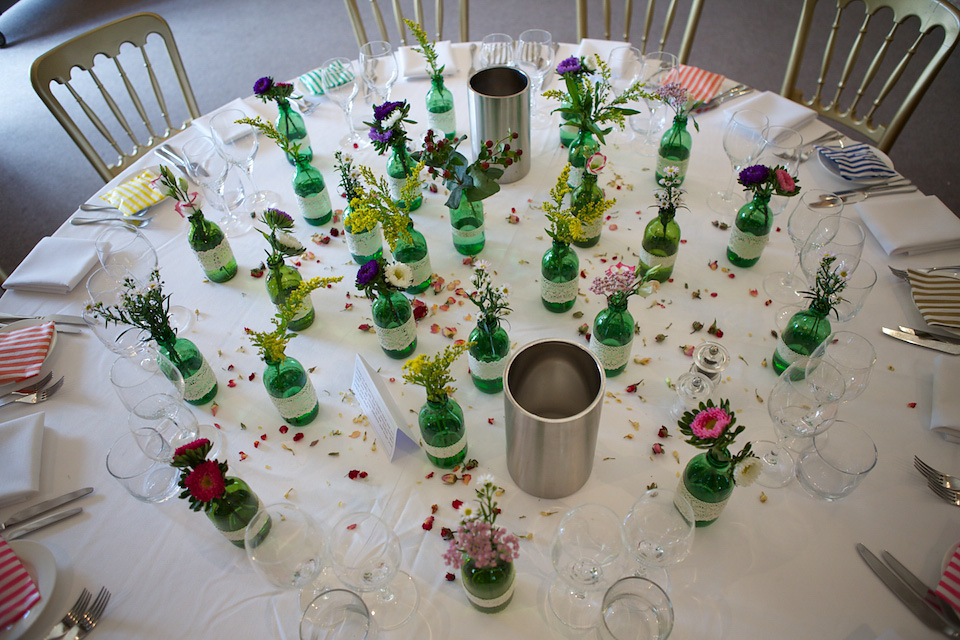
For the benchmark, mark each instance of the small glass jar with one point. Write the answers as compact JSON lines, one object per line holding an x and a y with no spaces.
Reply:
{"x":692,"y":389}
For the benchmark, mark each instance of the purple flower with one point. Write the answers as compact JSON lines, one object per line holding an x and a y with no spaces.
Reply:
{"x":384,"y":137}
{"x":383,"y":110}
{"x":754,"y":175}
{"x":262,"y":85}
{"x":570,"y":65}
{"x":367,"y":273}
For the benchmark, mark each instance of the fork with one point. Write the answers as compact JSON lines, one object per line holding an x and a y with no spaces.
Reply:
{"x":948,"y":495}
{"x":92,"y":615}
{"x":33,"y":388}
{"x":40,"y":396}
{"x":903,"y":275}
{"x":931,"y":474}
{"x":72,"y":617}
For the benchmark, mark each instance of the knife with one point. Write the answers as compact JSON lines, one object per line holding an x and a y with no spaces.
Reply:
{"x":930,"y":596}
{"x":915,"y":603}
{"x":932,"y":336}
{"x":23,"y":529}
{"x":858,"y":196}
{"x":930,"y":343}
{"x":729,"y":94}
{"x":42,"y":507}
{"x":56,"y":317}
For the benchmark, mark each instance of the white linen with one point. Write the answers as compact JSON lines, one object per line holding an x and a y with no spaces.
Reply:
{"x":945,"y":413}
{"x":779,"y":110}
{"x":413,"y":65}
{"x":55,"y":265}
{"x":21,"y":441}
{"x":602,"y":48}
{"x":202,"y":123}
{"x":910,"y":224}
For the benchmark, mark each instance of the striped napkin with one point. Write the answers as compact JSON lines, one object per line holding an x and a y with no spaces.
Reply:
{"x":23,"y":351}
{"x":312,"y":81}
{"x":700,"y":84}
{"x":856,"y":162}
{"x":18,"y":593}
{"x":949,"y":586}
{"x":937,"y":297}
{"x":135,"y":194}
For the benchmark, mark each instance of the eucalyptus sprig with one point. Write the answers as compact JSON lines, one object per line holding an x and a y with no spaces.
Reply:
{"x":825,"y":295}
{"x":433,"y":374}
{"x":426,"y":48}
{"x":565,"y":226}
{"x":475,"y":180}
{"x":272,"y":344}
{"x":373,"y":203}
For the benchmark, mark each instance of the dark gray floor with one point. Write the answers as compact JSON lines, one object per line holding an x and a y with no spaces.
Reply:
{"x":227,"y":44}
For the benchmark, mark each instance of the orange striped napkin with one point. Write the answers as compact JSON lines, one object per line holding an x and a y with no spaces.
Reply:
{"x":22,"y":351}
{"x":949,"y":586}
{"x":17,"y":590}
{"x":701,"y":85}
{"x":937,"y":297}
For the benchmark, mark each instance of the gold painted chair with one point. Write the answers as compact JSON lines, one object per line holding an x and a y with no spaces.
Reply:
{"x":905,"y":15}
{"x":356,"y":19}
{"x":113,"y":94}
{"x":689,"y":31}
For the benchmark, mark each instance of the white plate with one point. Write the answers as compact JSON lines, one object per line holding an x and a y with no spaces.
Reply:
{"x":42,"y":567}
{"x":23,"y":324}
{"x":832,"y":170}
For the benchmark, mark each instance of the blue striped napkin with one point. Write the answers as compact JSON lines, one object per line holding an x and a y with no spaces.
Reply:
{"x":313,"y":80}
{"x":856,"y":162}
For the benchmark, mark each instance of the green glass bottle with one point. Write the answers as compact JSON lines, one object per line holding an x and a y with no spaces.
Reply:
{"x":568,"y":128}
{"x":233,"y":512}
{"x":212,"y":249}
{"x":291,"y":391}
{"x":441,"y":116}
{"x":281,"y":280}
{"x":805,"y":331}
{"x":443,"y":432}
{"x":290,"y":123}
{"x":675,"y":148}
{"x":414,"y":254}
{"x":588,"y":192}
{"x":365,"y":245}
{"x":750,"y":232}
{"x":707,"y":485}
{"x":559,"y":277}
{"x":584,"y":146}
{"x":661,"y":240}
{"x":399,"y":166}
{"x":466,"y":222}
{"x":199,"y":381}
{"x":489,"y":346}
{"x":489,"y":589}
{"x":311,"y":191}
{"x":395,"y":326}
{"x":612,"y":337}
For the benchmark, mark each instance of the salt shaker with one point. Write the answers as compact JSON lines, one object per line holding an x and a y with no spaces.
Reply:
{"x":693,"y":388}
{"x":710,"y":359}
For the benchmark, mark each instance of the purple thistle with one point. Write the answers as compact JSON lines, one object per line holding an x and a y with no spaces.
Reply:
{"x":383,"y":110}
{"x":262,"y":85}
{"x":367,"y":273}
{"x":384,"y":137}
{"x":570,"y":65}
{"x":754,"y":175}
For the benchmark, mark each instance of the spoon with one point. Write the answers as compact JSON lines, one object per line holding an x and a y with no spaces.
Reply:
{"x":136,"y":222}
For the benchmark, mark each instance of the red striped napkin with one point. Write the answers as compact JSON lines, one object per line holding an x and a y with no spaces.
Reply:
{"x":949,"y":586}
{"x":17,"y":590}
{"x":701,"y":85}
{"x":22,"y":351}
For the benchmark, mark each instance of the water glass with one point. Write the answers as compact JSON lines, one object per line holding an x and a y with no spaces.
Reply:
{"x":145,"y":479}
{"x":833,"y":236}
{"x":160,"y":424}
{"x":378,"y":67}
{"x":496,"y":50}
{"x":852,"y":355}
{"x":859,"y":285}
{"x":781,"y":147}
{"x":659,"y":68}
{"x":147,"y":374}
{"x":125,"y":247}
{"x":284,"y":545}
{"x":635,"y":609}
{"x":535,"y":58}
{"x":742,"y":141}
{"x":341,"y":85}
{"x":839,"y":460}
{"x":337,"y":614}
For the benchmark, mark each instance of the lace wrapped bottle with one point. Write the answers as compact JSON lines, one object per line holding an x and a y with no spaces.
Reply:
{"x":661,"y":241}
{"x":290,"y":124}
{"x":395,"y":326}
{"x":441,"y":116}
{"x":210,"y":246}
{"x":313,"y":198}
{"x":281,"y":280}
{"x":443,"y":432}
{"x":707,"y":485}
{"x":489,"y":346}
{"x":199,"y":381}
{"x":750,"y":232}
{"x":466,"y":222}
{"x":559,"y":277}
{"x":612,"y":337}
{"x":365,"y":245}
{"x":233,"y":512}
{"x":589,"y":192}
{"x":291,"y":391}
{"x":805,"y":331}
{"x":675,"y":148}
{"x":399,"y":167}
{"x":489,"y":589}
{"x":584,"y":146}
{"x":413,"y":253}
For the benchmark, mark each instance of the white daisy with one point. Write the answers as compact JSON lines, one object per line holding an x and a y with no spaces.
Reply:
{"x":399,"y":275}
{"x":482,"y":264}
{"x":590,"y":63}
{"x":289,"y":242}
{"x":485,"y":479}
{"x":747,"y":471}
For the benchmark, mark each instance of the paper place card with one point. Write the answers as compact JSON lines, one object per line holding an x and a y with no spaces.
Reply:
{"x":380,"y":408}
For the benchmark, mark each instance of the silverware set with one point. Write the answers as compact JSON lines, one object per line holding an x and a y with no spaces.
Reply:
{"x":80,"y":619}
{"x":807,"y":148}
{"x":902,"y":273}
{"x":729,"y":94}
{"x":38,"y":392}
{"x":26,"y":520}
{"x":945,"y":486}
{"x":935,"y":341}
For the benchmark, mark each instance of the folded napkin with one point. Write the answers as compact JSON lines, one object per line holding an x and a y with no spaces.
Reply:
{"x":856,"y":162}
{"x":136,"y":194}
{"x":949,"y":586}
{"x":779,"y":110}
{"x":312,"y":81}
{"x":937,"y":297}
{"x":23,"y":351}
{"x":700,"y":84}
{"x":55,"y":265}
{"x":602,"y":48}
{"x":910,"y":224}
{"x":414,"y":65}
{"x":21,"y":441}
{"x":203,"y":122}
{"x":18,"y":592}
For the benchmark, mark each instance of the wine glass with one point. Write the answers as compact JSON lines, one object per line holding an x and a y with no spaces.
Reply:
{"x":209,"y":168}
{"x":337,"y":614}
{"x":626,"y":67}
{"x":105,"y":287}
{"x":852,"y":355}
{"x":586,"y":552}
{"x":148,"y":374}
{"x":284,"y":545}
{"x":535,"y":58}
{"x":496,"y":50}
{"x":339,"y":78}
{"x":742,"y":141}
{"x":834,"y":236}
{"x":365,"y":554}
{"x":781,"y":147}
{"x":378,"y":67}
{"x":635,"y":608}
{"x":658,"y":69}
{"x":858,"y":285}
{"x":801,"y":404}
{"x":161,"y":424}
{"x":658,"y":533}
{"x":813,"y":206}
{"x":238,"y":143}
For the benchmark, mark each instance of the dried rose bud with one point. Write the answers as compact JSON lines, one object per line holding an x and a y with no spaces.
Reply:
{"x":657,"y":449}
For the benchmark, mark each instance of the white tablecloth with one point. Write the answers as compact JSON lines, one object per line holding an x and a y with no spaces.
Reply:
{"x":785,"y":568}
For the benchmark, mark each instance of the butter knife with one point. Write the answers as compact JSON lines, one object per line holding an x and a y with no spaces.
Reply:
{"x":927,"y":334}
{"x":23,"y":529}
{"x":42,"y":507}
{"x":729,"y":94}
{"x":59,"y":318}
{"x":929,"y":343}
{"x":930,"y":596}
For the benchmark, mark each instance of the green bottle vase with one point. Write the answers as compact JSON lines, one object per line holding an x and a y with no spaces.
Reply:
{"x":489,"y":589}
{"x":612,"y":337}
{"x":466,"y":222}
{"x":489,"y":347}
{"x":443,"y":432}
{"x":805,"y":331}
{"x":674,"y":150}
{"x":291,"y":391}
{"x":559,"y":277}
{"x":210,"y":246}
{"x":707,"y":485}
{"x":199,"y":381}
{"x":233,"y":512}
{"x":282,"y":279}
{"x":660,"y":244}
{"x":750,"y":232}
{"x":393,"y":321}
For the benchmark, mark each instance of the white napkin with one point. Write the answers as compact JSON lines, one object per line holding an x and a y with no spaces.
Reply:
{"x":203,"y":122}
{"x":414,"y":65}
{"x":55,"y":265}
{"x":590,"y":46}
{"x":20,"y":443}
{"x":945,"y":416}
{"x":779,"y":110}
{"x":910,"y":224}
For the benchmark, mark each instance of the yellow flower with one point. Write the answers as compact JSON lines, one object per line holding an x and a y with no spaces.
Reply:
{"x":434,"y":374}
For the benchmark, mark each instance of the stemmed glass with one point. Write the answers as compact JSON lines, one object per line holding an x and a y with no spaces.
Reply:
{"x":586,"y":551}
{"x":535,"y":58}
{"x":337,"y":614}
{"x":209,"y":169}
{"x":339,"y":78}
{"x":859,"y":285}
{"x":626,"y":67}
{"x":781,"y":147}
{"x":284,"y":545}
{"x":496,"y":50}
{"x":802,"y":403}
{"x":659,"y":68}
{"x":834,"y":236}
{"x":239,"y":145}
{"x":852,"y":355}
{"x":105,"y":287}
{"x":365,"y":554}
{"x":742,"y":141}
{"x":658,"y":533}
{"x":378,"y":67}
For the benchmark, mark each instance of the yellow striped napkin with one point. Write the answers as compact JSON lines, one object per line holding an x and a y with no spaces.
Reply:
{"x":135,"y":194}
{"x":937,"y":297}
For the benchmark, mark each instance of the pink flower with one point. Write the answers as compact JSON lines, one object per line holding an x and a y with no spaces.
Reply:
{"x":710,"y":423}
{"x":190,"y":446}
{"x":205,"y":482}
{"x":785,"y":181}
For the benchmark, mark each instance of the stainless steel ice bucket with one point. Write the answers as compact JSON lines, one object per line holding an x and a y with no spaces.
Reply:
{"x":499,"y":103}
{"x":553,"y":393}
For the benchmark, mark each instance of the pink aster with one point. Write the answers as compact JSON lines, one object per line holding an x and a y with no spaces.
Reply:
{"x":710,"y":423}
{"x":190,"y":446}
{"x":205,"y":482}
{"x":785,"y":180}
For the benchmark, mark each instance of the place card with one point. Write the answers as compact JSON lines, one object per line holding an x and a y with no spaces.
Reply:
{"x":380,"y":408}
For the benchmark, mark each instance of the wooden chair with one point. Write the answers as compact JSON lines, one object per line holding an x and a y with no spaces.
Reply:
{"x":930,"y":14}
{"x":356,"y":19}
{"x":116,"y":91}
{"x":689,"y":31}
